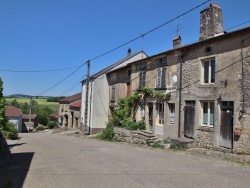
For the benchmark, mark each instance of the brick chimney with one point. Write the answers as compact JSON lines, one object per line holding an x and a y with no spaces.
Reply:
{"x":177,"y":42}
{"x":129,"y":52}
{"x":211,"y":22}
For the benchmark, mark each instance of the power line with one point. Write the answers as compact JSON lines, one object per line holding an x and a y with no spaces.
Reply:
{"x":32,"y":71}
{"x":61,"y":80}
{"x":148,"y":32}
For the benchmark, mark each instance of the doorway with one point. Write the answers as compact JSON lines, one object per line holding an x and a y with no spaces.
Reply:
{"x":226,"y":124}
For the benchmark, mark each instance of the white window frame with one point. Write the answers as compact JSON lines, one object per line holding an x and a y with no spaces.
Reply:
{"x":209,"y":61}
{"x":208,"y":124}
{"x":160,"y":114}
{"x":171,"y":108}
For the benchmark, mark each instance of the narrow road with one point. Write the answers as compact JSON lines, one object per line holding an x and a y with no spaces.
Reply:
{"x":58,"y":161}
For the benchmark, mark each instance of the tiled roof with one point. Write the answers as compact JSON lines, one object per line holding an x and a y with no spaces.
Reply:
{"x":27,"y":116}
{"x":71,"y":98}
{"x":76,"y":104}
{"x":11,"y":111}
{"x":56,"y":114}
{"x":105,"y":70}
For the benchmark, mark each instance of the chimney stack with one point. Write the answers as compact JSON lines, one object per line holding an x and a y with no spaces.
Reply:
{"x":211,"y":22}
{"x":177,"y":42}
{"x":129,"y":52}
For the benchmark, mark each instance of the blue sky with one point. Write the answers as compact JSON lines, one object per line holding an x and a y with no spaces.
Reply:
{"x":56,"y":34}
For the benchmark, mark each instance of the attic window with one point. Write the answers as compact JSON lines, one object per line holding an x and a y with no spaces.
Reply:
{"x":208,"y":49}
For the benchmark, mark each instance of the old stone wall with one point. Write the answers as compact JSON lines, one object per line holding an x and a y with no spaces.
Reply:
{"x":204,"y":139}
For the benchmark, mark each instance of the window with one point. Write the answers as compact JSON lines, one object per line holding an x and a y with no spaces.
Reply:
{"x":160,"y":113}
{"x":208,"y":114}
{"x":161,"y":78}
{"x":208,"y":73}
{"x":142,"y":79}
{"x":171,"y":107}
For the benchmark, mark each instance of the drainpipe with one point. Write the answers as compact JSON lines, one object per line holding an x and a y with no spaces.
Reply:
{"x":242,"y":77}
{"x":180,"y":88}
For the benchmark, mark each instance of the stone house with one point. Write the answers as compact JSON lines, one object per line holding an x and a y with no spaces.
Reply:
{"x":215,"y":103}
{"x":14,"y":116}
{"x":69,"y":111}
{"x":209,"y":82}
{"x":95,"y":107}
{"x":54,"y":117}
{"x":29,"y":126}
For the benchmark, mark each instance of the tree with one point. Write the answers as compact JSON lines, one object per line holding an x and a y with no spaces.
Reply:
{"x":3,"y":119}
{"x":15,"y":103}
{"x":25,"y":108}
{"x":43,"y":115}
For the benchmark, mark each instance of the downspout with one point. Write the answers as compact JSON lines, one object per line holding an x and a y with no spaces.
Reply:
{"x":90,"y":103}
{"x":180,"y":88}
{"x":242,"y":77}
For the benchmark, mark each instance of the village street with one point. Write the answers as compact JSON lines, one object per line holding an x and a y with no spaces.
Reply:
{"x":53,"y":160}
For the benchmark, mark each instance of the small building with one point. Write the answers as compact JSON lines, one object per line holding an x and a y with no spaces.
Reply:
{"x":95,"y":107}
{"x":69,"y":111}
{"x":54,"y":117}
{"x":14,"y":116}
{"x":30,"y":122}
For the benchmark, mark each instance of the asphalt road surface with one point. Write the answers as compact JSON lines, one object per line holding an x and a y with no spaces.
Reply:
{"x":58,"y":161}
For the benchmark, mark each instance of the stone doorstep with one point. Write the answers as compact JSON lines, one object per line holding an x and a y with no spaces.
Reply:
{"x":182,"y":143}
{"x":146,"y":134}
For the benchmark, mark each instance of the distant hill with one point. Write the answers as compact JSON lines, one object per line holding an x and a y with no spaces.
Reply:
{"x":28,"y":96}
{"x":17,"y":96}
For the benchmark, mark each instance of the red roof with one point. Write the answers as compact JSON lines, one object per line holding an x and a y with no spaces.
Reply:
{"x":71,"y":98}
{"x":76,"y":104}
{"x":56,"y":114}
{"x":27,"y":116}
{"x":11,"y":111}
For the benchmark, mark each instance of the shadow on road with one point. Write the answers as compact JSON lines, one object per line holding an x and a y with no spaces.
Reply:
{"x":13,"y":167}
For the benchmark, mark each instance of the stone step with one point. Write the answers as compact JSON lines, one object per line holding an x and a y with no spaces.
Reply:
{"x":182,"y":143}
{"x":146,"y":134}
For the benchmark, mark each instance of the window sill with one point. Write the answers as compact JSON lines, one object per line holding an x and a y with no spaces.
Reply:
{"x":207,"y":85}
{"x":206,"y":128}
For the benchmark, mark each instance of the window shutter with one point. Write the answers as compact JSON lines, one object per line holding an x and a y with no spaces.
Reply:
{"x":163,"y":77}
{"x":158,"y":78}
{"x":113,"y":94}
{"x":142,"y":79}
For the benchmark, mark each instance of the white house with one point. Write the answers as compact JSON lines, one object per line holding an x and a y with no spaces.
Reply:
{"x":97,"y":107}
{"x":14,"y":116}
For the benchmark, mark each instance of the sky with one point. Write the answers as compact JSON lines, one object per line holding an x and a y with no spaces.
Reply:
{"x":61,"y":35}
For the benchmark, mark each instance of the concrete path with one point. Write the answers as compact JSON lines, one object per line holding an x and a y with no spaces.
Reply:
{"x":53,"y":160}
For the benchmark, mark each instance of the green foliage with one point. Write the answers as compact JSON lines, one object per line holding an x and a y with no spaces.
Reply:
{"x":158,"y":144}
{"x":108,"y":133}
{"x":10,"y":132}
{"x":40,"y":128}
{"x":15,"y":103}
{"x":162,"y":96}
{"x":54,"y":99}
{"x":148,"y":91}
{"x":52,"y":125}
{"x":43,"y":115}
{"x":131,"y":125}
{"x":3,"y":119}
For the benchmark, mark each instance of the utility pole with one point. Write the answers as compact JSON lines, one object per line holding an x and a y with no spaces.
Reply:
{"x":87,"y":100}
{"x":30,"y":115}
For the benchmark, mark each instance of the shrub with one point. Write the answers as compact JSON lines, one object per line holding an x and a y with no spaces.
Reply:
{"x":158,"y":144}
{"x":52,"y":125}
{"x":10,"y":131}
{"x":108,"y":133}
{"x":130,"y":125}
{"x":40,"y":128}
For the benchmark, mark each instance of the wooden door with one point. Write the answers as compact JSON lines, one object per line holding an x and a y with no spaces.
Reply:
{"x":128,"y":88}
{"x":189,"y":121}
{"x":150,"y":116}
{"x":226,"y":128}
